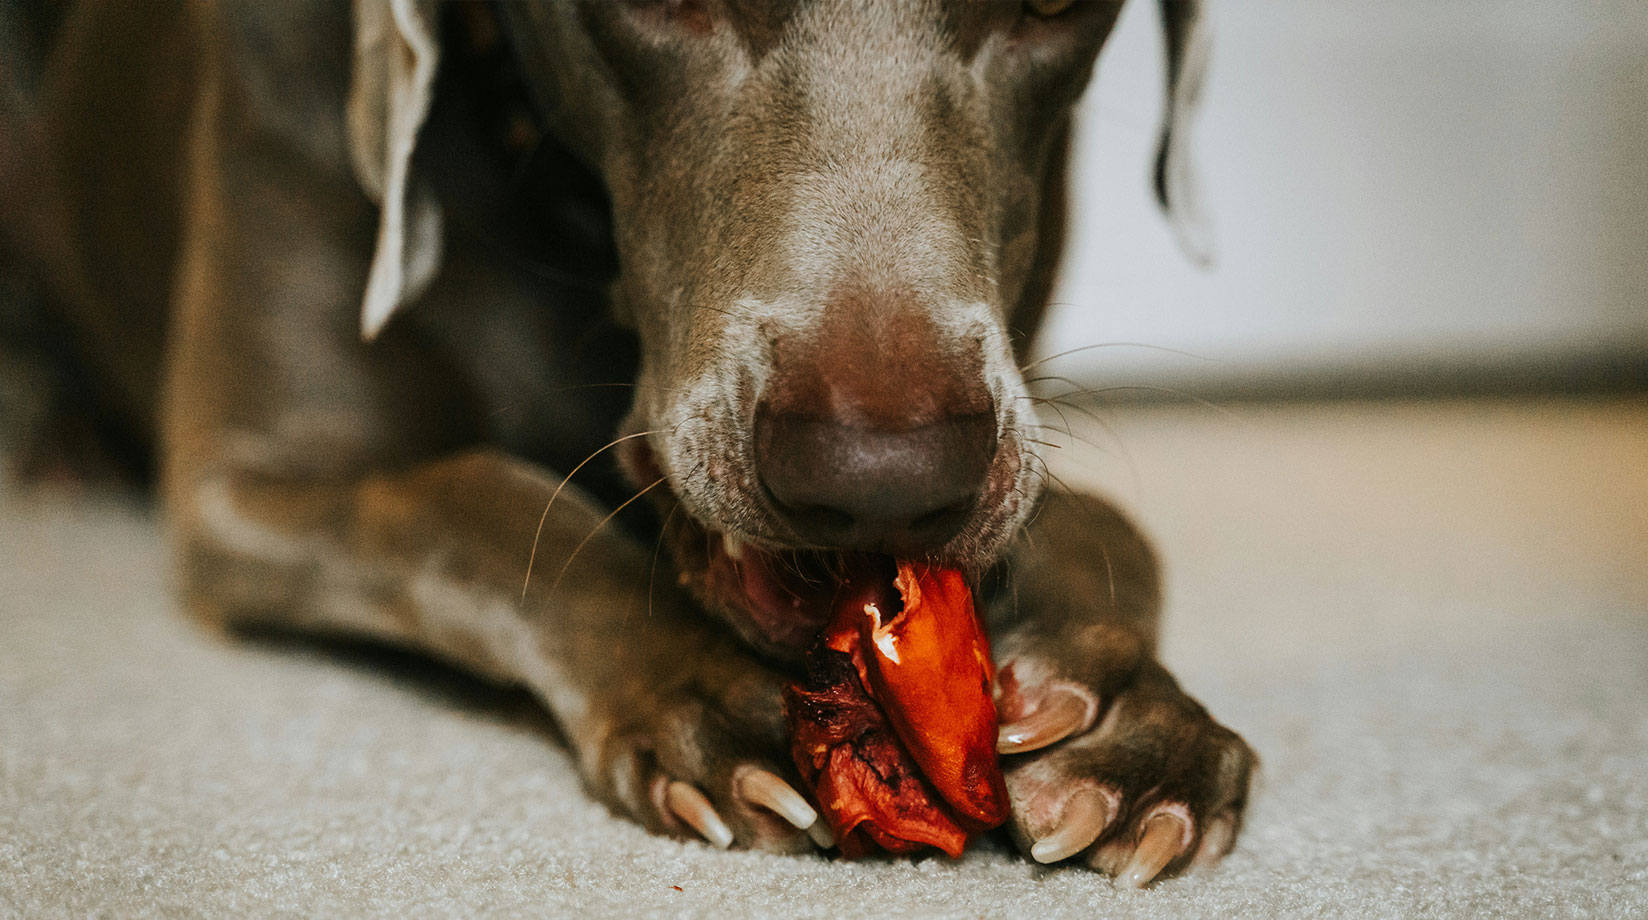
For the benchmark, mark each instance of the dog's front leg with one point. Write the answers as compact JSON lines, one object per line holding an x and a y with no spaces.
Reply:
{"x":673,"y":724}
{"x":309,"y":480}
{"x":1107,"y":759}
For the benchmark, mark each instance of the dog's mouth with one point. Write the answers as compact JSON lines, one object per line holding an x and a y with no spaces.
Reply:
{"x":778,"y":599}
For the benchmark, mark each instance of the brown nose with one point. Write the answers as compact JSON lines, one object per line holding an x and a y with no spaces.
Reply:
{"x":856,"y":487}
{"x":877,"y":433}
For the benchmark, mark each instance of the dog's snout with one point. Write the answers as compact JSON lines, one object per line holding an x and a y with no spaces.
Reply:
{"x":848,"y":486}
{"x":877,"y":429}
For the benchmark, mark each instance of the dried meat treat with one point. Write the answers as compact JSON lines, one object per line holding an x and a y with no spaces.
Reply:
{"x":868,"y":787}
{"x":931,"y":673}
{"x":894,"y":728}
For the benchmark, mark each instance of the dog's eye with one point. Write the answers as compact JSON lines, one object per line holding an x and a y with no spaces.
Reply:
{"x":1047,"y":9}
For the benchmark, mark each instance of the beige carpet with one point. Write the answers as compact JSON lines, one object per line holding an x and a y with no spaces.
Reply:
{"x":1431,"y":620}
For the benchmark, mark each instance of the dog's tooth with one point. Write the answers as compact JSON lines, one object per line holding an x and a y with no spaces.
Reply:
{"x":732,"y":546}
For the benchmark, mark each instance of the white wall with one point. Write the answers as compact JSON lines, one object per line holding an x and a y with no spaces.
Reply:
{"x":1393,"y":181}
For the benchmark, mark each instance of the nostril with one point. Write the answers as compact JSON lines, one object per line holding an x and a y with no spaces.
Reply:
{"x":852,"y":486}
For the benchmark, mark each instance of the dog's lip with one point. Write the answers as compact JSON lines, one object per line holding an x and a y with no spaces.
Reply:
{"x":778,"y":597}
{"x":786,"y":595}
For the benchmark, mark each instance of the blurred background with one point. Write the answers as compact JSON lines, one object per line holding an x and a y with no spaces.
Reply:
{"x":1408,"y":196}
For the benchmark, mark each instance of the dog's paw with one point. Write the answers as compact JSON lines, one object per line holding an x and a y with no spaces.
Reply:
{"x":1108,"y":762}
{"x":686,"y":767}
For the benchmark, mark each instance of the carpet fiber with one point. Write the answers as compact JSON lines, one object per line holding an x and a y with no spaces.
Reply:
{"x":1430,"y":619}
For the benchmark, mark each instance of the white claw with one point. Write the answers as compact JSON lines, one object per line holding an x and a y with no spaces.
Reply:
{"x":1165,"y":835}
{"x":1061,"y":714}
{"x":764,"y":789}
{"x":1085,"y":816}
{"x":691,"y":806}
{"x":821,"y":834}
{"x":1217,"y":840}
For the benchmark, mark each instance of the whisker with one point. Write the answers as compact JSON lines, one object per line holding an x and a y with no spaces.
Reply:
{"x":1024,"y":533}
{"x":1068,"y":430}
{"x":597,"y":529}
{"x":652,"y":575}
{"x":1040,"y":505}
{"x":1081,"y":501}
{"x":1052,"y":401}
{"x":1055,"y":407}
{"x":1174,"y":351}
{"x":1107,"y":428}
{"x":1011,"y":574}
{"x":1043,"y":377}
{"x":1084,"y":411}
{"x":1183,"y":394}
{"x":538,"y":534}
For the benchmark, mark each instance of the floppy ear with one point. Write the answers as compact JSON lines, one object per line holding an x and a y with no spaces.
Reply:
{"x":1177,"y":187}
{"x":395,"y":55}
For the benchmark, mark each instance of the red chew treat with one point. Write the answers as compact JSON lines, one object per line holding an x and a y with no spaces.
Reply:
{"x":866,"y":784}
{"x":931,"y":673}
{"x":895,"y":729}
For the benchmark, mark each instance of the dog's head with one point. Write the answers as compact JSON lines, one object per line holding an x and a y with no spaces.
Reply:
{"x":836,"y":221}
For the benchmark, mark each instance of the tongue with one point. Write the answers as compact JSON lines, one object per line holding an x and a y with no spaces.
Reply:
{"x":894,"y":728}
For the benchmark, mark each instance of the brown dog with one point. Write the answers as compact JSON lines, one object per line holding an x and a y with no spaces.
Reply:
{"x":812,"y":239}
